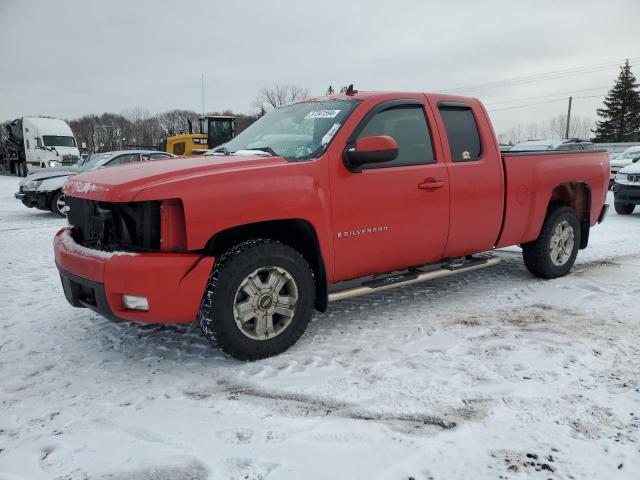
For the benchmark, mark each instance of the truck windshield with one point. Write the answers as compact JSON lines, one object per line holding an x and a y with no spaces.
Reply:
{"x":296,"y":132}
{"x":58,"y":141}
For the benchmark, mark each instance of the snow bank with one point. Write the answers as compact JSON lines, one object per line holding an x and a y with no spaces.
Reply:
{"x":71,"y":245}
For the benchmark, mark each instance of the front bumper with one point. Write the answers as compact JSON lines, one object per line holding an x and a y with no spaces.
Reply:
{"x":33,"y":199}
{"x":173,"y":283}
{"x":626,"y":193}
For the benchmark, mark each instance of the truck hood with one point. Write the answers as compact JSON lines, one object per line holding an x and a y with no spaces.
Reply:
{"x":123,"y":183}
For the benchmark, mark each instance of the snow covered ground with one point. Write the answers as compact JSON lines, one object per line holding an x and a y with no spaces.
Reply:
{"x":492,"y":374}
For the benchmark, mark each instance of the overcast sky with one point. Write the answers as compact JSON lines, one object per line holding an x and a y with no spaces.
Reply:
{"x":69,"y":58}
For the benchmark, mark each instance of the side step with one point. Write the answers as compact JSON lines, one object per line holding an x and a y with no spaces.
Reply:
{"x":411,"y":277}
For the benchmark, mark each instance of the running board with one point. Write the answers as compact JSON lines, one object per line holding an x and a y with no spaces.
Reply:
{"x":411,"y":277}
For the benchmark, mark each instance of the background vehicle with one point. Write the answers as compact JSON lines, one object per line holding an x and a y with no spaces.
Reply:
{"x":213,"y":130}
{"x":35,"y":142}
{"x":43,"y":189}
{"x":629,"y":156}
{"x":321,"y":200}
{"x":626,"y":189}
{"x":553,"y":144}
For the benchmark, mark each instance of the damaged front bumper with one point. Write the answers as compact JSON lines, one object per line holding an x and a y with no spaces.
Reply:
{"x":172,"y":283}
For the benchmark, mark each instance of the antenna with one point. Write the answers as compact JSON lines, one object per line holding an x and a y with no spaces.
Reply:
{"x":202,"y":81}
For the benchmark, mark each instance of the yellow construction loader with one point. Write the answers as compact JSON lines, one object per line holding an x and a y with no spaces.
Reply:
{"x":213,"y":130}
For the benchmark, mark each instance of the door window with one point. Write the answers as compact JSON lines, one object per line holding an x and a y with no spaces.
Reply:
{"x":158,"y":156}
{"x":122,"y":159}
{"x":462,"y":133}
{"x":407,"y":125}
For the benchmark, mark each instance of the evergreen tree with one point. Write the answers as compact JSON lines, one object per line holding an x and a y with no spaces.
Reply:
{"x":621,"y":115}
{"x":330,"y":90}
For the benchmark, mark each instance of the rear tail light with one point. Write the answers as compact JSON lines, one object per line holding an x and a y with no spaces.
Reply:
{"x":173,"y":235}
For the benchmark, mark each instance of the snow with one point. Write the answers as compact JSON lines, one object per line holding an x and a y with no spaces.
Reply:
{"x":72,"y":246}
{"x":77,"y":186}
{"x":490,"y":374}
{"x":251,"y":152}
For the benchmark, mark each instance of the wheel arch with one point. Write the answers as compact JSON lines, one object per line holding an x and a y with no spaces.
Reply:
{"x":295,"y":232}
{"x":577,"y":196}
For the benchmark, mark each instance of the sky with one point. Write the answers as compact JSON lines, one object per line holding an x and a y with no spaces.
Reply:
{"x":73,"y":57}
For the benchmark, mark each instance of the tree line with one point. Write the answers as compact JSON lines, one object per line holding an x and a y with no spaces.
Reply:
{"x":620,"y":118}
{"x":137,"y":127}
{"x":555,"y":127}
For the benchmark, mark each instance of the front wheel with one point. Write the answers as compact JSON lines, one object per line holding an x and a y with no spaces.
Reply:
{"x":624,"y":208}
{"x":554,"y":252}
{"x":259,"y":299}
{"x":58,"y":205}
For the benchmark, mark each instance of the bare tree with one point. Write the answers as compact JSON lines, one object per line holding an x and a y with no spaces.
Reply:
{"x":269,"y":98}
{"x":555,"y":127}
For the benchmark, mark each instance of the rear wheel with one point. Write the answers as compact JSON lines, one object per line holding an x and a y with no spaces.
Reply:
{"x":624,"y":208}
{"x":259,"y":299}
{"x":57,"y":204}
{"x":555,"y":250}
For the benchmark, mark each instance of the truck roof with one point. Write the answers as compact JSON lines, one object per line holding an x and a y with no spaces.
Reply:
{"x":387,"y":94}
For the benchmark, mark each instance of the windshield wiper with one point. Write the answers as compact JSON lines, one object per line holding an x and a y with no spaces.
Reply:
{"x":267,"y":149}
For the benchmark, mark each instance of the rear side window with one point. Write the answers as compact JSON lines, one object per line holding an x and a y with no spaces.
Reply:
{"x":571,"y":146}
{"x":462,"y":132}
{"x":407,"y":125}
{"x":122,"y":159}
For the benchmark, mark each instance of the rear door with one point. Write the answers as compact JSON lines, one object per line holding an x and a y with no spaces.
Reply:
{"x":393,"y":215}
{"x":476,"y":180}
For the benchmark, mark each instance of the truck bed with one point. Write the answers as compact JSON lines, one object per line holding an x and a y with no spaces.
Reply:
{"x":532,"y":179}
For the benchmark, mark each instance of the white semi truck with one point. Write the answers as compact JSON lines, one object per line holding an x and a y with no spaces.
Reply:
{"x":34,"y":142}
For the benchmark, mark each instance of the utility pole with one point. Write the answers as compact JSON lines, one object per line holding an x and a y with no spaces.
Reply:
{"x":202,"y":80}
{"x":566,"y":133}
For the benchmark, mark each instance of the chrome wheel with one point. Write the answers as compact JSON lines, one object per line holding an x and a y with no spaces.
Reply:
{"x":61,"y":205}
{"x":265,"y":303}
{"x":562,"y":243}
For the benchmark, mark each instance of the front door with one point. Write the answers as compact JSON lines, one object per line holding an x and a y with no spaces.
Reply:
{"x":393,"y":215}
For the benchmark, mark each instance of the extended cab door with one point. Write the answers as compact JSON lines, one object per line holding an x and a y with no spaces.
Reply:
{"x":394,"y":215}
{"x":476,"y":178}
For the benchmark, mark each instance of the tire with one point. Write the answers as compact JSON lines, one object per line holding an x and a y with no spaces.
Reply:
{"x":540,"y":256}
{"x":624,"y":208}
{"x":224,"y":317}
{"x":56,"y":204}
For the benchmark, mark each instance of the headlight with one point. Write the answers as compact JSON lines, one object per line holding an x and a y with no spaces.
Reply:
{"x":200,"y":141}
{"x":621,"y":177}
{"x":54,"y":163}
{"x":32,"y":185}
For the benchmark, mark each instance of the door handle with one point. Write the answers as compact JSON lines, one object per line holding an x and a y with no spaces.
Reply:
{"x":431,"y":184}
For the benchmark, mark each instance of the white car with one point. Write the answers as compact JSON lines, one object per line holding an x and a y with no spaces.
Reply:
{"x":43,"y":189}
{"x":626,"y":189}
{"x":621,"y":160}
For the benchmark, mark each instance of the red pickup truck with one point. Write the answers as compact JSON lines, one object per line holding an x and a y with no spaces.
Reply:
{"x":320,"y":200}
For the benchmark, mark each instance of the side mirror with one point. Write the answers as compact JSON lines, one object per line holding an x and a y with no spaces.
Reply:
{"x":374,"y":149}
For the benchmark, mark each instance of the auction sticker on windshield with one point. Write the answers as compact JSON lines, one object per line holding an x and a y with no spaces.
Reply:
{"x":322,"y":114}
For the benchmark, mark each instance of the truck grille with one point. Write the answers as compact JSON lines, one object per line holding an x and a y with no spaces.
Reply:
{"x":132,"y":226}
{"x":69,"y":159}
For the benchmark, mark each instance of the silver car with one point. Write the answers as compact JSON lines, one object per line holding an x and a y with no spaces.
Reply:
{"x":43,"y":189}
